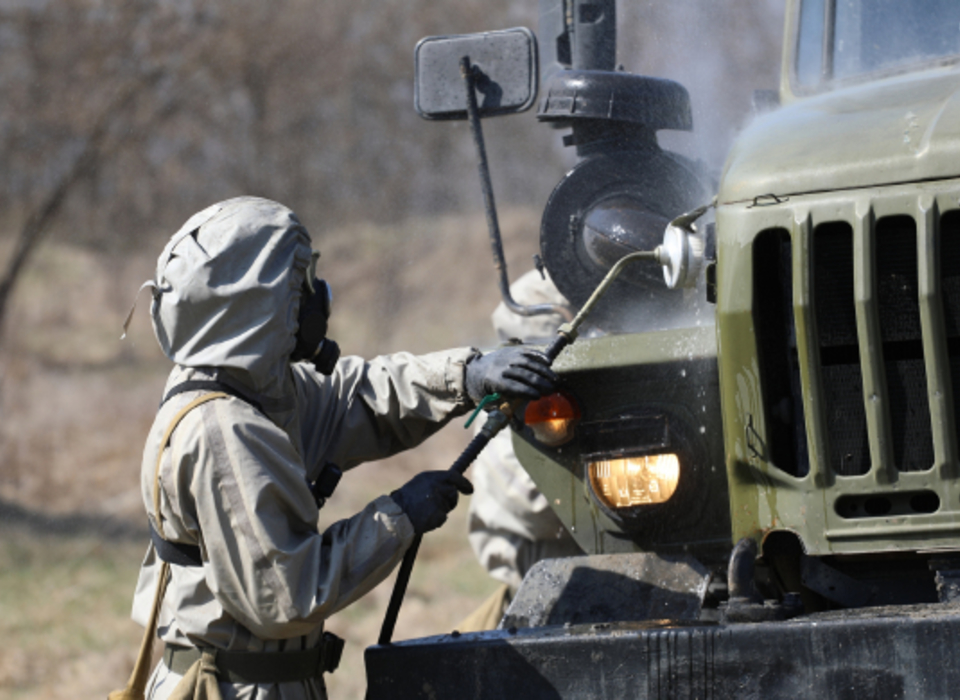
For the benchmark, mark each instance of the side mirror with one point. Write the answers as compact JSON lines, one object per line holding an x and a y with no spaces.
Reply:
{"x":506,"y":69}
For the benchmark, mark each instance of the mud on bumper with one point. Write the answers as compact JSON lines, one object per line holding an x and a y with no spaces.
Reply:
{"x":894,"y":652}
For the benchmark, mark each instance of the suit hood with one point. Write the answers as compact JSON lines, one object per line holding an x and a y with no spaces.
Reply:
{"x":228,"y":288}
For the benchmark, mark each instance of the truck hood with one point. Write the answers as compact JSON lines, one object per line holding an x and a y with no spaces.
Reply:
{"x":901,"y":129}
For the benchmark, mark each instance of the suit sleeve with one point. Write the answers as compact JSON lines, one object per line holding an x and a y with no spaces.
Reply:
{"x":371,"y":410}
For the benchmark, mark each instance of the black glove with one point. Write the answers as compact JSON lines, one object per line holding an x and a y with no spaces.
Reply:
{"x":429,"y":496}
{"x":515,"y":372}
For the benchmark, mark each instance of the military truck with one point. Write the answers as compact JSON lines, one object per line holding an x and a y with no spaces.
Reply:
{"x":762,"y":462}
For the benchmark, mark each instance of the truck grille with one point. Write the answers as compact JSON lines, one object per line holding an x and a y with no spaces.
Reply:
{"x":840,"y":367}
{"x":882,"y":313}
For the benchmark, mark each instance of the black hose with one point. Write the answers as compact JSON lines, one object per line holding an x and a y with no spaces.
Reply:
{"x":470,"y":453}
{"x":463,"y":462}
{"x":466,"y":458}
{"x":399,"y":589}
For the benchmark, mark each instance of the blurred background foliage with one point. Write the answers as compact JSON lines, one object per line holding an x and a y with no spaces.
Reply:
{"x":167,"y":106}
{"x":187,"y":102}
{"x":120,"y":118}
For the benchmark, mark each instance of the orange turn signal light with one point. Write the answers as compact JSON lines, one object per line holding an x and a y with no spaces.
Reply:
{"x":553,"y":418}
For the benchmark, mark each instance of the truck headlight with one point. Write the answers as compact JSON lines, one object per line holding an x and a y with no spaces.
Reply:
{"x":552,"y":419}
{"x":625,"y":482}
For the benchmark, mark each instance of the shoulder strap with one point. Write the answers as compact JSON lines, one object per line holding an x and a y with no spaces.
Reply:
{"x":157,"y":515}
{"x":177,"y":552}
{"x":136,"y":685}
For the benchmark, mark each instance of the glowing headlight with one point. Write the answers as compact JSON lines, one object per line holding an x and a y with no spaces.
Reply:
{"x":635,"y":481}
{"x":552,"y":419}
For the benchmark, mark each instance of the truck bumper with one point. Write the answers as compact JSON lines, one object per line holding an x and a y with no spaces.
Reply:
{"x":893,"y":652}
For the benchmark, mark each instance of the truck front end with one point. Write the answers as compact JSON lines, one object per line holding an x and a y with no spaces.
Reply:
{"x":764,"y":472}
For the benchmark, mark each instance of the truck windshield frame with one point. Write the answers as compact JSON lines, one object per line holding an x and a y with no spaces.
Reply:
{"x":841,"y":41}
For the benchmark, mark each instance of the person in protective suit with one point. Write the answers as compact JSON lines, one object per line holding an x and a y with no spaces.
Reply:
{"x":510,"y":524}
{"x":256,"y":408}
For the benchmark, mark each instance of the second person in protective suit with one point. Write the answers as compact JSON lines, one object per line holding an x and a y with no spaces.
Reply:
{"x":510,"y":523}
{"x":257,"y":407}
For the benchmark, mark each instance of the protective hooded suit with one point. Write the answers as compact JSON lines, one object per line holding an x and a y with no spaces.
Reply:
{"x":233,"y":477}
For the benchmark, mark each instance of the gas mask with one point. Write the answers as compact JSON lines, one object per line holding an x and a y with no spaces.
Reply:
{"x":313,"y":345}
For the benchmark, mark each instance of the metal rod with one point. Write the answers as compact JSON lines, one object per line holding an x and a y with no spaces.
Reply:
{"x":829,"y":39}
{"x":469,"y":73}
{"x":570,"y":329}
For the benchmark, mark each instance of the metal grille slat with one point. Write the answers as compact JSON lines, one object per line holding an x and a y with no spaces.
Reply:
{"x":934,"y":336}
{"x":808,"y":350}
{"x":870,"y":337}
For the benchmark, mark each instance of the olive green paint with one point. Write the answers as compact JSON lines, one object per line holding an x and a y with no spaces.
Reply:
{"x":855,"y":152}
{"x":901,"y":128}
{"x":673,"y":372}
{"x":764,"y":498}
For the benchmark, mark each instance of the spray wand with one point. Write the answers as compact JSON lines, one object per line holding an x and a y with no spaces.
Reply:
{"x":680,"y":255}
{"x":497,"y":419}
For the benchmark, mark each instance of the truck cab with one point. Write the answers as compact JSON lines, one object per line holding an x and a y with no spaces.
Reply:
{"x":765,"y":473}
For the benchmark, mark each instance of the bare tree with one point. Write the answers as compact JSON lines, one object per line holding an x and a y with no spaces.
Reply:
{"x":83,"y":106}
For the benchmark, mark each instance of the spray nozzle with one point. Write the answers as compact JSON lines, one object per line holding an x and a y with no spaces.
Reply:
{"x":682,"y":250}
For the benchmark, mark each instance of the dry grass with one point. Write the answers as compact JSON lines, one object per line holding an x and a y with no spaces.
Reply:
{"x":65,"y":607}
{"x":75,"y":404}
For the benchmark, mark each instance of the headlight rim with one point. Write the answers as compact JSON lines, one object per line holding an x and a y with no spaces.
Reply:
{"x":632,"y":455}
{"x":691,"y":453}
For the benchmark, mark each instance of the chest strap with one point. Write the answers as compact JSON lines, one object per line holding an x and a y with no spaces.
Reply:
{"x":178,"y":553}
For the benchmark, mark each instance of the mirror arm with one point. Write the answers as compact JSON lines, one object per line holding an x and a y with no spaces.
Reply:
{"x":470,"y":73}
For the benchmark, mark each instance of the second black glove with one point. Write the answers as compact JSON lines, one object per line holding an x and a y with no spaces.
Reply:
{"x":429,"y":496}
